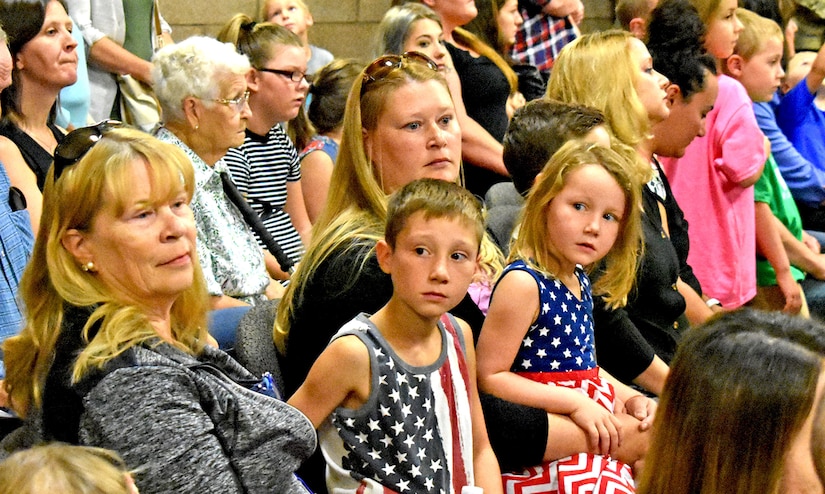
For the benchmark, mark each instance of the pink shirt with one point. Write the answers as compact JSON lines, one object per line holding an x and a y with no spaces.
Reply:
{"x":705,"y":182}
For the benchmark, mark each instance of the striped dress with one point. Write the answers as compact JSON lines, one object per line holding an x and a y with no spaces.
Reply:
{"x":261,"y":168}
{"x":413,"y":435}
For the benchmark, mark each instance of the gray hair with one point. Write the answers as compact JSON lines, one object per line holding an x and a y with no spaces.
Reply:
{"x":395,"y":26}
{"x":191,"y":68}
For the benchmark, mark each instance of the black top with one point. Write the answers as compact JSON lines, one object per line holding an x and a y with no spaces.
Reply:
{"x":652,"y":322}
{"x":484,"y":90}
{"x":38,"y":159}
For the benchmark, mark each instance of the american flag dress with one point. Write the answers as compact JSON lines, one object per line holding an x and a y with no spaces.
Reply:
{"x":559,"y":350}
{"x":414,"y":434}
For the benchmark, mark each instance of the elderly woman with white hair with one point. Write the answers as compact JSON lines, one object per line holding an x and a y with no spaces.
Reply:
{"x":201,"y":85}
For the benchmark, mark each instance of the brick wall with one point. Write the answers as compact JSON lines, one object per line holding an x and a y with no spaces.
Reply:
{"x":345,"y":27}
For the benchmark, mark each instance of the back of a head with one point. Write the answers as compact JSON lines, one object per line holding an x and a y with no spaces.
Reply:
{"x":537,"y":131}
{"x":64,"y":469}
{"x":675,"y":35}
{"x":739,"y":390}
{"x":329,"y":90}
{"x":257,"y":40}
{"x":627,"y":10}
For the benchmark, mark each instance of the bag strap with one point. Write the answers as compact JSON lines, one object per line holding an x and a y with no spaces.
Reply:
{"x":158,"y":28}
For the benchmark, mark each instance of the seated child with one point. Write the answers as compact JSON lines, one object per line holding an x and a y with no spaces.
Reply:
{"x":537,"y":348}
{"x":65,"y":469}
{"x":295,"y":16}
{"x":405,"y":416}
{"x":801,"y":111}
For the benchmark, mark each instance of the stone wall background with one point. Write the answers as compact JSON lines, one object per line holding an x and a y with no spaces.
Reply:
{"x":345,"y":27}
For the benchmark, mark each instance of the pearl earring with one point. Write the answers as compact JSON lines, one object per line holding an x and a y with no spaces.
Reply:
{"x":89,"y":267}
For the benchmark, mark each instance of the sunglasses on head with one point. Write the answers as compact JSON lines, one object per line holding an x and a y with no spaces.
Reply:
{"x":78,"y":142}
{"x":382,"y":66}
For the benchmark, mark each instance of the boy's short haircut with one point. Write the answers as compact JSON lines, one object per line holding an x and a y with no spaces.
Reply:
{"x":627,"y":10}
{"x":436,"y":199}
{"x":537,"y":130}
{"x":755,"y":33}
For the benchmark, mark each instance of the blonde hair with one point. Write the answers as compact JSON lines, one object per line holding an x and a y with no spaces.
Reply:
{"x":579,"y":76}
{"x":53,"y":277}
{"x":756,"y":30}
{"x":706,"y":9}
{"x":619,"y":265}
{"x":257,"y":40}
{"x":264,"y":14}
{"x":356,"y":208}
{"x":65,"y":469}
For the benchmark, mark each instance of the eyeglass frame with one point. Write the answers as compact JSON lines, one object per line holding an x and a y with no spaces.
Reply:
{"x":391,"y":62}
{"x":289,"y":74}
{"x":236,"y":103}
{"x":98,"y":130}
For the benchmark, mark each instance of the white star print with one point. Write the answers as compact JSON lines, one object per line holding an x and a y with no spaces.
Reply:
{"x":410,"y":441}
{"x":398,"y":428}
{"x":373,"y":425}
{"x":388,"y":469}
{"x":387,"y":441}
{"x":563,"y":307}
{"x":544,"y":332}
{"x":573,"y":317}
{"x":349,"y":422}
{"x":435,"y":465}
{"x":403,"y":485}
{"x":413,"y":392}
{"x":579,"y":361}
{"x":395,"y":395}
{"x":402,"y":378}
{"x":362,"y":438}
{"x":427,"y":405}
{"x":415,"y":471}
{"x":528,"y":342}
{"x":382,"y":379}
{"x":374,"y":454}
{"x":553,"y":296}
{"x":401,"y":457}
{"x":576,"y":340}
{"x":421,"y":454}
{"x":557,"y":283}
{"x":390,"y":364}
{"x":567,"y":353}
{"x":545,"y":308}
{"x":526,"y":363}
{"x":556,"y":342}
{"x":554,"y":364}
{"x":378,"y":352}
{"x":541,"y":353}
{"x":419,"y":422}
{"x":385,"y":411}
{"x":557,"y":319}
{"x":420,"y":377}
{"x":428,"y":483}
{"x":568,"y":295}
{"x":428,"y":435}
{"x":406,"y":410}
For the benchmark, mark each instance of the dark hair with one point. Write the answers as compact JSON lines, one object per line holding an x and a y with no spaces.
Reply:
{"x":675,"y":40}
{"x":739,"y":390}
{"x":22,"y":21}
{"x":329,"y":90}
{"x":765,"y":8}
{"x":485,"y":25}
{"x":537,"y":131}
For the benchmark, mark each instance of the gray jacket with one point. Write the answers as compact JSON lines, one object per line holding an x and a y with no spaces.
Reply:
{"x":187,"y":426}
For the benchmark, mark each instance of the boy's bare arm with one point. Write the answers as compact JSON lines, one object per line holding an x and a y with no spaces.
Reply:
{"x":799,"y":254}
{"x":769,"y":244}
{"x":817,"y":73}
{"x":327,"y":387}
{"x":485,"y":466}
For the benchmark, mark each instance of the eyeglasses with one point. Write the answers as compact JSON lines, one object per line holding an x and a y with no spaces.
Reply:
{"x":78,"y":142}
{"x":292,"y":75}
{"x":236,"y":104}
{"x":382,"y":66}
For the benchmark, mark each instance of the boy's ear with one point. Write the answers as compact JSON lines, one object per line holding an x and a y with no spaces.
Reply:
{"x":383,"y":252}
{"x":308,"y":19}
{"x":735,"y":63}
{"x":638,"y":27}
{"x":430,"y":3}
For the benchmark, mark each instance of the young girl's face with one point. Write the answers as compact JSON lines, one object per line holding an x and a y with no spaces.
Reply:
{"x":509,"y":20}
{"x":650,"y":85}
{"x":427,"y":37}
{"x":290,"y":14}
{"x":584,"y":219}
{"x":432,"y":264}
{"x":277,"y":95}
{"x":723,"y":30}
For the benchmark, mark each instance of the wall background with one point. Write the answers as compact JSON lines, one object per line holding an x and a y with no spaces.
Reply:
{"x":344,"y":27}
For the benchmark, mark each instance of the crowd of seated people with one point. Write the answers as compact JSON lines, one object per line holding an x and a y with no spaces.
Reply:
{"x":613,"y":287}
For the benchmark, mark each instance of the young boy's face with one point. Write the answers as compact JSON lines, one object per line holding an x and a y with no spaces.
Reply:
{"x":289,"y":14}
{"x":762,"y":73}
{"x":432,"y":264}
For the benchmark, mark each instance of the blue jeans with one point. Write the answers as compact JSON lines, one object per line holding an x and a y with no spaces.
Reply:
{"x":815,"y":289}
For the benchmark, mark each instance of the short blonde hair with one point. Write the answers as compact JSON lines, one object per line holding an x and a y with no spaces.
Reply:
{"x":756,"y":31}
{"x":621,"y":261}
{"x":65,"y":469}
{"x":54,"y":278}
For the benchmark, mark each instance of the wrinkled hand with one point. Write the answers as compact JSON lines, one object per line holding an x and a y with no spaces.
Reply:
{"x":643,"y":408}
{"x":599,"y":425}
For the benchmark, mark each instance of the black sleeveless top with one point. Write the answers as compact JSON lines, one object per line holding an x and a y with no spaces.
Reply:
{"x":38,"y":159}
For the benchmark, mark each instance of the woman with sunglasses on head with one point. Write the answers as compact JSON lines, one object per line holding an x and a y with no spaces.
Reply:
{"x":201,"y":86}
{"x":115,"y":353}
{"x":399,"y":125}
{"x":44,"y":61}
{"x":265,"y":167}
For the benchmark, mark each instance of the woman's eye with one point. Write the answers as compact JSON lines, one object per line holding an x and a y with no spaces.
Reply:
{"x":413,"y":125}
{"x":445,"y":120}
{"x":423,"y":44}
{"x":579,"y":206}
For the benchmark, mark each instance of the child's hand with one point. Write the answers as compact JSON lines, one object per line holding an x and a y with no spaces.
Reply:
{"x":599,"y":425}
{"x":643,"y":409}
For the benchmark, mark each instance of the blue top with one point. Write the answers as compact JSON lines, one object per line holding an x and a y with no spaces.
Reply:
{"x":561,"y":337}
{"x":16,"y":243}
{"x":806,"y":179}
{"x":321,"y":143}
{"x":804,"y":124}
{"x":75,"y":99}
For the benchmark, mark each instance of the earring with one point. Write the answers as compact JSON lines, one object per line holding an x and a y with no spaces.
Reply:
{"x":197,"y":126}
{"x":89,"y":267}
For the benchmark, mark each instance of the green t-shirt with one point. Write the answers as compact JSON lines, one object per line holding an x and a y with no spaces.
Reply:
{"x":139,"y":27}
{"x":772,"y":189}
